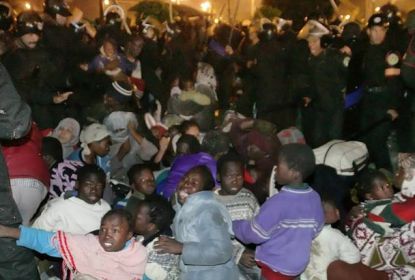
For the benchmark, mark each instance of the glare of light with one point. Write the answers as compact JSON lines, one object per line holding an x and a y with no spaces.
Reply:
{"x":205,"y":6}
{"x":106,"y":2}
{"x":216,"y":20}
{"x":28,"y":6}
{"x":377,"y":9}
{"x":347,"y":17}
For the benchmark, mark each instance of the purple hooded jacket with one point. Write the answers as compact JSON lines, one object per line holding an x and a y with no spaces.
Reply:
{"x":180,"y":166}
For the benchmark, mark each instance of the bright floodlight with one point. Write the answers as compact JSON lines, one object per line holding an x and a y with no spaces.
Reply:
{"x":205,"y":6}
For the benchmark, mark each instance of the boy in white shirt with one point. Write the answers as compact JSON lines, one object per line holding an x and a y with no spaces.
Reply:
{"x":80,"y":214}
{"x":330,"y":245}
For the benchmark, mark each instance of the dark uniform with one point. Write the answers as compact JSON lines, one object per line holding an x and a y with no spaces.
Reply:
{"x":270,"y":74}
{"x":380,"y":95}
{"x":406,"y":121}
{"x":323,"y":118}
{"x":16,"y":263}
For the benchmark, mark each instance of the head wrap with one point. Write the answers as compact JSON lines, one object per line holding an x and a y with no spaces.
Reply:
{"x":73,"y":125}
{"x":92,"y":133}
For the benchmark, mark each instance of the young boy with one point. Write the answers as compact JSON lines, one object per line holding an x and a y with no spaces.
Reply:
{"x":329,"y":246}
{"x":287,"y":222}
{"x":114,"y":254}
{"x":143,"y":185}
{"x":80,"y":214}
{"x":153,"y":218}
{"x":240,"y":203}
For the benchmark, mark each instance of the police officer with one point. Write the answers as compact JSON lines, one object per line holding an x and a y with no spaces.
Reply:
{"x":381,"y":88}
{"x":6,"y":22}
{"x":269,"y":72}
{"x":31,"y":70}
{"x":327,"y":77}
{"x":406,"y":124}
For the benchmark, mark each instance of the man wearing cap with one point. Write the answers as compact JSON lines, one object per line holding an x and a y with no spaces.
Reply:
{"x":117,"y":97}
{"x":31,"y":70}
{"x":327,"y":78}
{"x":380,"y":74}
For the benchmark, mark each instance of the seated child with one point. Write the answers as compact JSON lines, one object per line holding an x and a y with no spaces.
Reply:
{"x":382,"y":210}
{"x":153,"y":218}
{"x":95,"y":146}
{"x":202,"y":230}
{"x":287,"y":222}
{"x":63,"y":173}
{"x":188,"y":155}
{"x":80,"y":214}
{"x":240,"y":202}
{"x":329,"y":246}
{"x":113,"y":254}
{"x":67,"y":132}
{"x":143,"y":184}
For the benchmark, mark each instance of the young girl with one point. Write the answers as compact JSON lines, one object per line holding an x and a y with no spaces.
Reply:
{"x":67,"y":132}
{"x":114,"y":254}
{"x":202,"y":229}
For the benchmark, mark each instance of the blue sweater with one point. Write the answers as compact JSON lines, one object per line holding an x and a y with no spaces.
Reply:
{"x":284,"y":228}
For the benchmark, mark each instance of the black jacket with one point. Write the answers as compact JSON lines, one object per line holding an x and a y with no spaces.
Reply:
{"x":15,"y":262}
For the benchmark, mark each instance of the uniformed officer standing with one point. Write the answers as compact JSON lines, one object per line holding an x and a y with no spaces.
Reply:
{"x":406,"y":124}
{"x":31,"y":71}
{"x":327,"y":79}
{"x":381,"y":88}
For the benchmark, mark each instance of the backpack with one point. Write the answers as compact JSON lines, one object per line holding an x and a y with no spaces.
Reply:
{"x":347,"y":157}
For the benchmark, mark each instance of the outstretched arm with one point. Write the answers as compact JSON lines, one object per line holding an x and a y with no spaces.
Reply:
{"x":41,"y":241}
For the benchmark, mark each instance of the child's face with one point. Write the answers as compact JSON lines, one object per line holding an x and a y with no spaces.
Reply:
{"x":381,"y":190}
{"x":109,"y":49}
{"x":232,"y":178}
{"x":102,"y":147}
{"x":142,"y":224}
{"x":331,"y":213}
{"x":114,"y":233}
{"x":283,"y":174}
{"x":65,"y":135}
{"x":91,"y":189}
{"x":144,"y":182}
{"x":190,"y":184}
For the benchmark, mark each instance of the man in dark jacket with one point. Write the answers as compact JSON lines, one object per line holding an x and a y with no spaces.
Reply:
{"x":15,"y":262}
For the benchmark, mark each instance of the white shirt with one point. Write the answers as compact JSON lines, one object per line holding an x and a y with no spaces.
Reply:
{"x":72,"y":215}
{"x":330,"y":245}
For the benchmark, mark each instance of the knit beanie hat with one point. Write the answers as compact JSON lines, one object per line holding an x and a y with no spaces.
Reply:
{"x":92,"y":133}
{"x":120,"y":91}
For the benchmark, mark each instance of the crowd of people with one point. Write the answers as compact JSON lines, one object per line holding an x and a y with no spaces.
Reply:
{"x":184,"y":150}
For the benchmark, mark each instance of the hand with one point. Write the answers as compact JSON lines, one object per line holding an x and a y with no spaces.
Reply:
{"x":228,"y":50}
{"x":393,"y":114}
{"x":306,"y":101}
{"x":62,"y":97}
{"x":346,"y":50}
{"x":357,"y":212}
{"x":164,"y":143}
{"x":248,"y":258}
{"x":84,"y":66}
{"x":9,"y":232}
{"x":168,"y":245}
